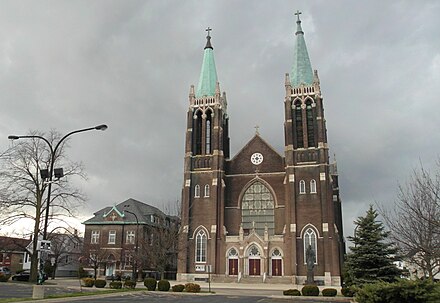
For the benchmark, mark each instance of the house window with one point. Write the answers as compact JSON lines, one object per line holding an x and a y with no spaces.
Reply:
{"x":206,"y":191}
{"x":128,"y":260}
{"x":310,"y":241}
{"x":313,"y":186}
{"x":95,"y":237}
{"x":197,"y":191}
{"x":302,"y":187}
{"x":151,"y":239}
{"x":201,"y":243}
{"x":130,"y":237}
{"x":112,"y":237}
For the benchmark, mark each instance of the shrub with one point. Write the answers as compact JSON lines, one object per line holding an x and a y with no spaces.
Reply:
{"x":81,"y":272}
{"x":150,"y":283}
{"x":116,"y":284}
{"x":178,"y":287}
{"x":329,"y":292}
{"x":419,"y":291}
{"x":310,"y":290}
{"x":129,"y":284}
{"x":4,"y":278}
{"x":100,"y":283}
{"x":163,"y":285}
{"x":192,"y":287}
{"x":88,"y":282}
{"x":347,"y":291}
{"x":292,"y":292}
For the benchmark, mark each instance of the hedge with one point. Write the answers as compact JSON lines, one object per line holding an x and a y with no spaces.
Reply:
{"x":150,"y":283}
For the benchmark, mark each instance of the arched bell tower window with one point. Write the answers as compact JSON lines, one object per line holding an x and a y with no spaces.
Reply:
{"x":302,"y":187}
{"x":198,"y":123}
{"x":257,"y":209}
{"x":208,"y":131}
{"x":197,"y":191}
{"x":313,"y":187}
{"x":310,"y":124}
{"x":206,"y":191}
{"x":297,"y":113}
{"x":201,"y":244}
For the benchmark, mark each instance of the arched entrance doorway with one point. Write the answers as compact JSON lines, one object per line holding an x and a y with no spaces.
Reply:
{"x":276,"y":263}
{"x":232,"y":262}
{"x":110,"y":266}
{"x":254,"y":261}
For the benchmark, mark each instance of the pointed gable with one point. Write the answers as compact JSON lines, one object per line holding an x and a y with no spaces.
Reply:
{"x":242,"y":164}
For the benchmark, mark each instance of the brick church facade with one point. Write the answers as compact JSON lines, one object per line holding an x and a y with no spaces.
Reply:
{"x":254,"y":215}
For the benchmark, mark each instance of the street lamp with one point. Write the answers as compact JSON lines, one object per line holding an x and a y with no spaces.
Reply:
{"x":134,"y":278}
{"x":58,"y":172}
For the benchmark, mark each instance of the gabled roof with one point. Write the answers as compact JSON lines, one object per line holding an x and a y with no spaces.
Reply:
{"x":122,"y":213}
{"x":252,"y":140}
{"x":9,"y":244}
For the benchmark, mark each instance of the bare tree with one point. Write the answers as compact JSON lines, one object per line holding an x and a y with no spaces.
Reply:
{"x":94,"y":259}
{"x":414,"y":220}
{"x":65,"y":246}
{"x":23,"y":191}
{"x":158,"y":251}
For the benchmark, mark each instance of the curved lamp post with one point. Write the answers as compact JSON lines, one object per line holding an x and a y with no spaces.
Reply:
{"x":52,"y":160}
{"x":134,"y":277}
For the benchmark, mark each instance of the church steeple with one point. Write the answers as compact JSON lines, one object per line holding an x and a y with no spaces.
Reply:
{"x":302,"y":69}
{"x":208,"y":74}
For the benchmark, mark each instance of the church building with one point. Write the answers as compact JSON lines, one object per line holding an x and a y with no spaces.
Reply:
{"x":252,"y":217}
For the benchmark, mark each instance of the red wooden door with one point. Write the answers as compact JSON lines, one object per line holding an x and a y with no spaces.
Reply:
{"x":254,"y":267}
{"x":276,"y":267}
{"x":233,"y":267}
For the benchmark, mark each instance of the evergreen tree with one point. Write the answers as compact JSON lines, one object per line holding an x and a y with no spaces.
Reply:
{"x":372,"y":256}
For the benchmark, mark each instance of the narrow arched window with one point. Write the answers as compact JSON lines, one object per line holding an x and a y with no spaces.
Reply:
{"x":206,"y":191}
{"x":302,"y":187}
{"x":313,"y":187}
{"x":310,"y":125}
{"x":208,"y":132}
{"x":197,"y":191}
{"x":198,"y":122}
{"x":201,"y":244}
{"x":310,"y":241}
{"x":298,"y":125}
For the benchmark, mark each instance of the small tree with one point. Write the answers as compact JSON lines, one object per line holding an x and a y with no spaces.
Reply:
{"x":371,"y":258}
{"x":414,"y":220}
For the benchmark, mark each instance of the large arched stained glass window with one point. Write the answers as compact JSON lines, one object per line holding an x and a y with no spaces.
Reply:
{"x":257,"y":209}
{"x":201,"y":243}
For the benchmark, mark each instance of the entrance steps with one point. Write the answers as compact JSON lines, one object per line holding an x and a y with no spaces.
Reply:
{"x":251,"y":279}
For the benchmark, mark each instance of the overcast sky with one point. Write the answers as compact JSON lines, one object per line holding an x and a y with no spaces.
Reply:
{"x":67,"y":65}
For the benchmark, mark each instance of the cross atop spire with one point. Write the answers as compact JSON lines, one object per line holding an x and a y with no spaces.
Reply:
{"x":256,"y":129}
{"x":208,"y":38}
{"x":208,"y":29}
{"x":297,"y":14}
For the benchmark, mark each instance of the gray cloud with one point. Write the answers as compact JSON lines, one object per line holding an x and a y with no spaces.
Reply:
{"x":68,"y":65}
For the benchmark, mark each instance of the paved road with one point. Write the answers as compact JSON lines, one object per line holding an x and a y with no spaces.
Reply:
{"x":157,"y":297}
{"x":227,"y":294}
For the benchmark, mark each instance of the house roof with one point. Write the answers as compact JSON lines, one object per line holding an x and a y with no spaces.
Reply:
{"x":126,"y":213}
{"x":9,"y":244}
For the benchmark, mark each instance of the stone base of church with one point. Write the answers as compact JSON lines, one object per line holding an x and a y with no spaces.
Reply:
{"x":326,"y":280}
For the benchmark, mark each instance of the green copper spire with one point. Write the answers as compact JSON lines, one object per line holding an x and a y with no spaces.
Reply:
{"x":302,"y":69}
{"x":208,"y":74}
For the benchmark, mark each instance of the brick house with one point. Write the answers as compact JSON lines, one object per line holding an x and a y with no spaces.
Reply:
{"x":253,"y":216}
{"x":12,"y":252}
{"x":128,"y":235}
